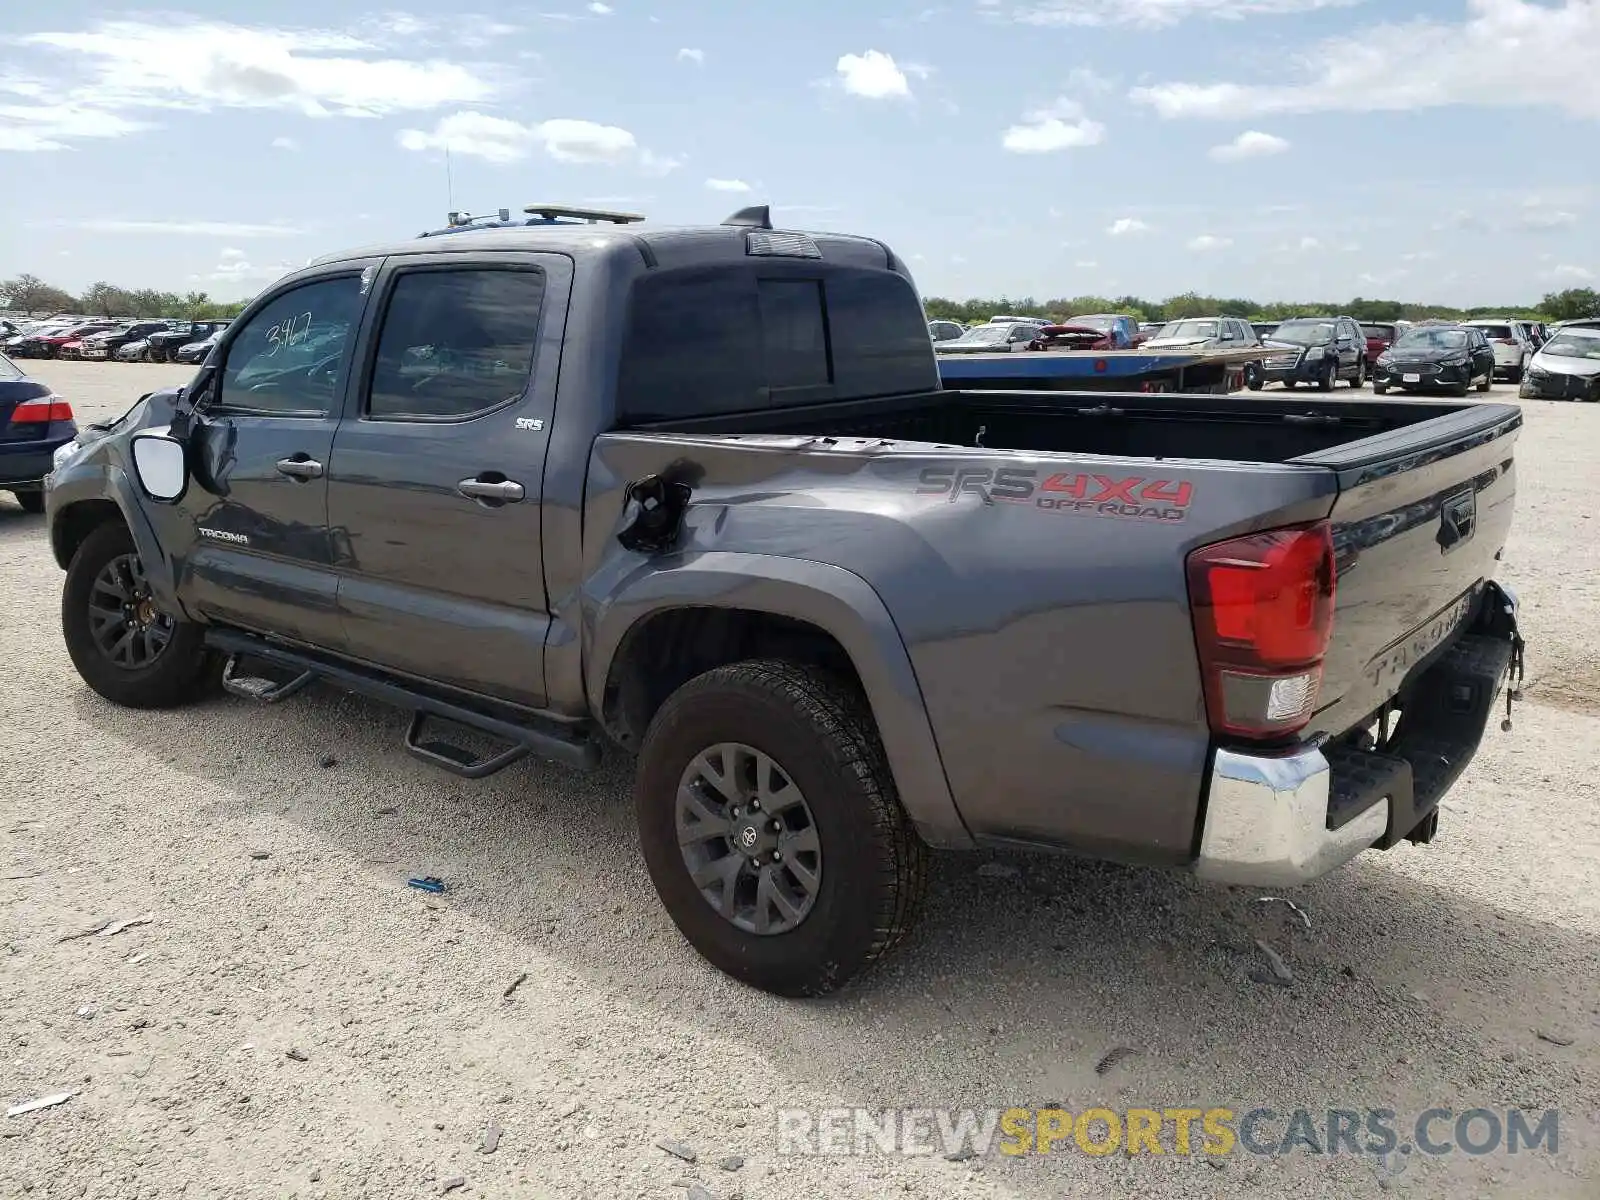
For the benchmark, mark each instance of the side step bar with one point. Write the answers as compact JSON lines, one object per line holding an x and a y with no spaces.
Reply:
{"x":545,"y":740}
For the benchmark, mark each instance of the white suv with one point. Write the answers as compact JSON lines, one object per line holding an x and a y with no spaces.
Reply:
{"x":1511,"y":343}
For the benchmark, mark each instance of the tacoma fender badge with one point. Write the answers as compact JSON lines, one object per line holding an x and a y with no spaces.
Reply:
{"x":222,"y":535}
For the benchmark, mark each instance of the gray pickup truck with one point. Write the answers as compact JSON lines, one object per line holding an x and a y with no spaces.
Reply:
{"x":697,"y":495}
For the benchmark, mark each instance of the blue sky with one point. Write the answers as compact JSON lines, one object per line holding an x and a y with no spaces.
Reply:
{"x":1431,"y":150}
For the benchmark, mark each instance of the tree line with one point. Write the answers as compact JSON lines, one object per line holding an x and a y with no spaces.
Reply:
{"x":1555,"y":306}
{"x":30,"y":294}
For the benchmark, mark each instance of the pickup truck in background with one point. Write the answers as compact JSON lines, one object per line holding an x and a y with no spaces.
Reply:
{"x":698,"y":496}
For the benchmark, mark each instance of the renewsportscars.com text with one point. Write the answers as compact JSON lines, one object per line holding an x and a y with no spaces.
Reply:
{"x":1215,"y":1131}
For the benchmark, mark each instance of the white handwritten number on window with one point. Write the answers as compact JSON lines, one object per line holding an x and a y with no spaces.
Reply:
{"x":288,"y":333}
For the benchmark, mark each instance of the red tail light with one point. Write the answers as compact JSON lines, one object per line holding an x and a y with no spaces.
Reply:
{"x":39,"y":411}
{"x":1263,"y":614}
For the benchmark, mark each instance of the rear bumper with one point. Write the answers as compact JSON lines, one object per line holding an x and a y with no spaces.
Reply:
{"x":1278,"y":820}
{"x":25,"y":464}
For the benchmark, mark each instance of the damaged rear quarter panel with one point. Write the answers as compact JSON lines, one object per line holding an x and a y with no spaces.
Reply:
{"x":1049,"y":636}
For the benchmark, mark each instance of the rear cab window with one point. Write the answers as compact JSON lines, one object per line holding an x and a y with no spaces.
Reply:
{"x":707,"y":341}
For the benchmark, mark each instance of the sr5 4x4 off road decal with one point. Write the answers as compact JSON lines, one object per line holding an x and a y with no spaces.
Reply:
{"x":1085,"y":494}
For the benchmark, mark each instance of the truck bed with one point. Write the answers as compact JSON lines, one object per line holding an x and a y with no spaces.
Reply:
{"x":1239,"y":428}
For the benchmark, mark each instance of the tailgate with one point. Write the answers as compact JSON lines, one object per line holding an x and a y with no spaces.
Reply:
{"x":1418,"y":526}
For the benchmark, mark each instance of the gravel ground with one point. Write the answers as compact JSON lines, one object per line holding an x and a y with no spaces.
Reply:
{"x":295,"y":1021}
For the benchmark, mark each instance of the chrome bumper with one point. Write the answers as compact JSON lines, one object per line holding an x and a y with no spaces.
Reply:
{"x":1266,"y":821}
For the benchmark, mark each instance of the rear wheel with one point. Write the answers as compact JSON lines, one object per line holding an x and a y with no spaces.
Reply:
{"x":1379,"y":389}
{"x":1488,"y":380}
{"x":32,"y":502}
{"x":1361,"y":374}
{"x":125,"y":648}
{"x":1327,"y":376}
{"x":771,"y":828}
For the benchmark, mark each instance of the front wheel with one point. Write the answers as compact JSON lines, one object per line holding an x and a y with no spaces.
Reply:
{"x":1360,"y":380}
{"x":771,"y":827}
{"x":1327,"y":376}
{"x":125,"y":648}
{"x":1488,"y":380}
{"x":1379,"y":389}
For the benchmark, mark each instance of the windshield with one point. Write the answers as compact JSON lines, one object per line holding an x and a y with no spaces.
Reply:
{"x":1433,"y":339}
{"x":986,"y":335}
{"x":1103,"y":324}
{"x":1192,"y":330}
{"x":9,"y":369}
{"x":1574,"y":345}
{"x":1304,"y":333}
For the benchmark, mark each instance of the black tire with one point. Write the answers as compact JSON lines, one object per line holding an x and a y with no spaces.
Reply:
{"x":31,"y":501}
{"x":872,"y":866}
{"x":182,"y":672}
{"x":1488,"y":380}
{"x":1514,"y":375}
{"x":1328,"y":376}
{"x":1252,"y":376}
{"x":1290,"y":384}
{"x":1360,"y":381}
{"x":1379,"y":389}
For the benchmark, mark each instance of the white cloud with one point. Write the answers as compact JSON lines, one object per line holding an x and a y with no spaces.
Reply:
{"x":285,"y":143}
{"x":1534,"y":217}
{"x":1508,"y":53}
{"x":1570,"y":273}
{"x":1252,"y":143}
{"x":501,"y":140}
{"x":1061,"y":125}
{"x":219,"y":229}
{"x":1309,"y":243}
{"x":691,"y":54}
{"x":1208,"y":241}
{"x":53,"y":127}
{"x":1123,"y":226}
{"x":872,"y":75}
{"x":1158,"y":14}
{"x":601,"y":10}
{"x":727,"y":185}
{"x":1086,"y":264}
{"x":231,"y":254}
{"x":116,"y":68}
{"x":233,"y":267}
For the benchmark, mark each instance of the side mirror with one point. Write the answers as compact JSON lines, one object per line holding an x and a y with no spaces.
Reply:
{"x":160,"y":463}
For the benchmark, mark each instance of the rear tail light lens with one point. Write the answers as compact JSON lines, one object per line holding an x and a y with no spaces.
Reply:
{"x":1262,"y":606}
{"x":40,"y":411}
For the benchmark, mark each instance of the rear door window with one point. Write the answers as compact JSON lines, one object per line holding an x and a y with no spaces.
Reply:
{"x":456,"y":343}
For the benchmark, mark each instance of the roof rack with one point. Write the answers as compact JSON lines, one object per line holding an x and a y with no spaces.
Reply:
{"x":538,"y":214}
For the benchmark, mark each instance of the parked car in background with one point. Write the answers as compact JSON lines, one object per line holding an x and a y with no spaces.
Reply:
{"x":1121,"y":328}
{"x":33,"y":423}
{"x":1448,"y":358}
{"x":195,"y":352}
{"x":1575,"y":323}
{"x":993,"y":338}
{"x":164,"y":345}
{"x":1567,"y":367}
{"x":1204,"y":333}
{"x":1380,"y":336}
{"x":134,"y":351}
{"x":1147,"y":330}
{"x":1072,"y":337}
{"x":1265,"y":329}
{"x":1013,"y":319}
{"x":1319,"y":350}
{"x":945,"y":331}
{"x":103,"y":347}
{"x":1512,"y":347}
{"x":46,"y":342}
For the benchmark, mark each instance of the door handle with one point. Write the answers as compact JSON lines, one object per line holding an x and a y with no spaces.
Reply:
{"x":502,"y":491}
{"x":300,"y":468}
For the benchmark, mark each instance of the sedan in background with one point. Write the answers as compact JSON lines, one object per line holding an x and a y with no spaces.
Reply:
{"x":1512,"y":347}
{"x":1435,"y":358}
{"x":195,"y":352}
{"x":1567,"y":367}
{"x":103,"y":347}
{"x":34,"y":422}
{"x":993,"y":338}
{"x":945,"y":331}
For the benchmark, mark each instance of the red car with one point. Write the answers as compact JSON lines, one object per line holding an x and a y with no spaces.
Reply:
{"x":54,"y":345}
{"x":1380,"y":336}
{"x":1071,"y":337}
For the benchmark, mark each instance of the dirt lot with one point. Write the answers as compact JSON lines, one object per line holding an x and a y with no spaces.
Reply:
{"x":295,"y":1021}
